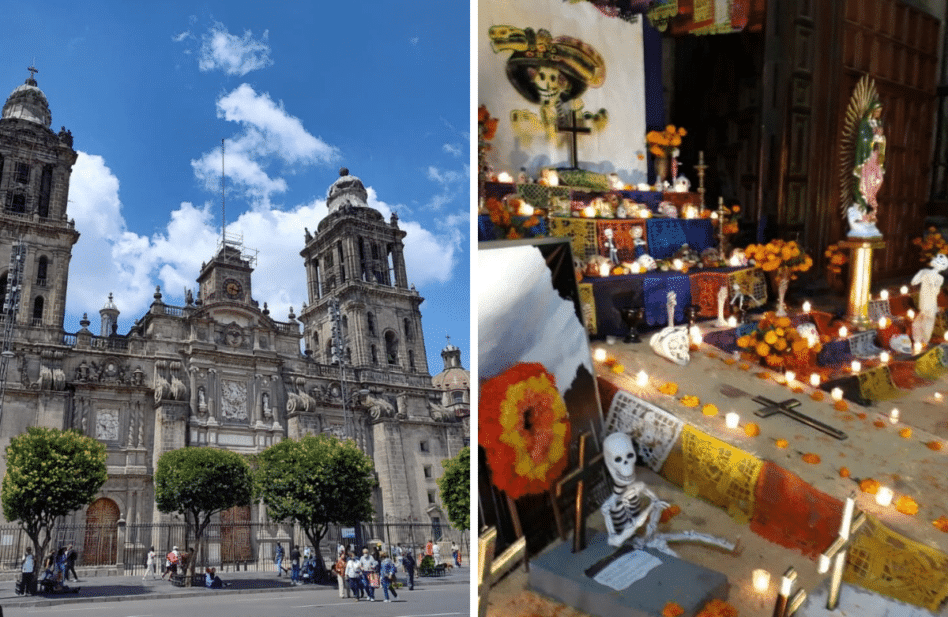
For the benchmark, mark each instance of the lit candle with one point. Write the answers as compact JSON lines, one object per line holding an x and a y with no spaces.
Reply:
{"x":695,"y":333}
{"x":735,"y":260}
{"x":884,"y":496}
{"x":939,"y":397}
{"x":732,"y":321}
{"x":884,"y":294}
{"x":824,"y":566}
{"x":815,"y":380}
{"x":504,"y":177}
{"x":761,"y":580}
{"x":884,"y":357}
{"x":843,"y":331}
{"x":641,"y":379}
{"x":604,"y":269}
{"x":856,"y":366}
{"x":847,"y":518}
{"x":837,"y":394}
{"x":883,"y":322}
{"x":645,"y":213}
{"x":807,"y":306}
{"x":589,"y":212}
{"x":917,"y":347}
{"x":903,"y":290}
{"x":526,"y":209}
{"x":714,"y":216}
{"x":894,"y":415}
{"x":678,"y":264}
{"x":636,"y":268}
{"x":731,"y":420}
{"x":790,"y":376}
{"x":910,"y":313}
{"x":599,"y":355}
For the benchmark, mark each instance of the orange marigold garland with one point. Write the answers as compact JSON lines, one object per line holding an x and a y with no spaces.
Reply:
{"x":524,"y":428}
{"x":906,"y":505}
{"x":869,"y":486}
{"x":776,"y":343}
{"x":718,"y":608}
{"x":941,"y":523}
{"x":672,"y":609}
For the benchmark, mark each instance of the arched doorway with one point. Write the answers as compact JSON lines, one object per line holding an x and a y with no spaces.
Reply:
{"x":101,"y":531}
{"x":235,"y":534}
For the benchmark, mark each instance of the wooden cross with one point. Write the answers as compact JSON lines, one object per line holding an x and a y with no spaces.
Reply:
{"x":585,"y":471}
{"x":836,"y":553}
{"x":787,"y":408}
{"x":574,"y":129}
{"x":489,"y":570}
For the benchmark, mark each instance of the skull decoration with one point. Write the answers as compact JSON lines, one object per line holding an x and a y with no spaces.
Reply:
{"x":939,"y":262}
{"x":808,"y":331}
{"x":619,"y":454}
{"x":647,"y":262}
{"x":901,"y":343}
{"x":549,"y":83}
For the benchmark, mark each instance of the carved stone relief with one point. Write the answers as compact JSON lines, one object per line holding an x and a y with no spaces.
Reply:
{"x":233,"y":400}
{"x":107,"y":426}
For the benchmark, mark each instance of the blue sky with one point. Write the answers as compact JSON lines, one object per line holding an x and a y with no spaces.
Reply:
{"x":297,"y":90}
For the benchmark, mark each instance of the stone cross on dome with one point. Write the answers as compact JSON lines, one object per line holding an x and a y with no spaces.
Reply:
{"x":33,"y":71}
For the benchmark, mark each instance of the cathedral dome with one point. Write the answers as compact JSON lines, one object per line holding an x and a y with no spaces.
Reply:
{"x":453,"y":378}
{"x":27,"y":102}
{"x":346,"y":191}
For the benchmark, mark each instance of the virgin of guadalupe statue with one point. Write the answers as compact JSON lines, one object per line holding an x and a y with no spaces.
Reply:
{"x":863,"y":160}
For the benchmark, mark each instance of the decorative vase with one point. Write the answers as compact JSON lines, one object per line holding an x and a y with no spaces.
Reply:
{"x":661,"y":170}
{"x":783,"y":281}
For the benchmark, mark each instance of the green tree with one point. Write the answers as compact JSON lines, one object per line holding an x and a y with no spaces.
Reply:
{"x":316,"y":481}
{"x":50,"y":473}
{"x":199,"y":483}
{"x":455,"y":486}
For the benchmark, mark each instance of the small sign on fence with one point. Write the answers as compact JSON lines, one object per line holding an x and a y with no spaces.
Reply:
{"x":348,"y":532}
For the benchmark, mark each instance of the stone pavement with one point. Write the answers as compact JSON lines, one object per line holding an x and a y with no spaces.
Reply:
{"x":120,"y":588}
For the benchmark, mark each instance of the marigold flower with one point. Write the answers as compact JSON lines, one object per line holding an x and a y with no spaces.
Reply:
{"x":762,"y":349}
{"x":905,"y":433}
{"x":817,"y":395}
{"x":781,"y":443}
{"x":869,"y":486}
{"x":709,"y":410}
{"x":752,"y":429}
{"x":879,"y":424}
{"x":906,"y":505}
{"x":672,"y":609}
{"x":941,"y":523}
{"x":690,"y":401}
{"x":669,"y":513}
{"x":811,"y":458}
{"x":934,"y":445}
{"x":844,"y":472}
{"x":670,"y":388}
{"x":840,"y":405}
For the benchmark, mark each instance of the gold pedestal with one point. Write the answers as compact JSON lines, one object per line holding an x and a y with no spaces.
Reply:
{"x":860,"y":278}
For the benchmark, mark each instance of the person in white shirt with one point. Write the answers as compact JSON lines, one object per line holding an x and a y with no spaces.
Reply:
{"x":369,"y":565}
{"x":354,"y":575}
{"x":28,"y":571}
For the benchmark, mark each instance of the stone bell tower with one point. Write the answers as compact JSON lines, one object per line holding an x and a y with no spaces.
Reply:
{"x":35,"y":166}
{"x":357,"y":258}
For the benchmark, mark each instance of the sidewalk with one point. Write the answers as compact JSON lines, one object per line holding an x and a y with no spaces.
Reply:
{"x":120,"y":588}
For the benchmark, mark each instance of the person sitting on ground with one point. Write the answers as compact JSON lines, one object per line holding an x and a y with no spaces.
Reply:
{"x":212,"y":581}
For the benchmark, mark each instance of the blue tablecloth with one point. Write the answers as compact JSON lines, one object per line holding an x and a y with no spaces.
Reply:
{"x":665,"y":236}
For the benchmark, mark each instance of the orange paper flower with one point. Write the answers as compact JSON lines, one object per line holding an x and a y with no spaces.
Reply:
{"x":811,"y":458}
{"x":709,"y":410}
{"x":906,"y":505}
{"x":844,"y":472}
{"x":869,"y":486}
{"x":840,"y":405}
{"x":879,"y":424}
{"x":752,"y":429}
{"x":817,"y":395}
{"x":934,"y":445}
{"x":905,"y":433}
{"x":718,"y":608}
{"x":941,"y":523}
{"x":690,"y":401}
{"x":781,"y":443}
{"x":670,"y":388}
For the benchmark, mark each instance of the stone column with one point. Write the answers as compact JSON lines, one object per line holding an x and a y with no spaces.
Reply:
{"x":120,"y":546}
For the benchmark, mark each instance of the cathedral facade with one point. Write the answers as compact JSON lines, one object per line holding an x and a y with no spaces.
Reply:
{"x":219,"y":371}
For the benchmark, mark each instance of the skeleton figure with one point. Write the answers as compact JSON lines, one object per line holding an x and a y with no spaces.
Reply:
{"x":931,"y":281}
{"x":610,"y":245}
{"x":624,"y":512}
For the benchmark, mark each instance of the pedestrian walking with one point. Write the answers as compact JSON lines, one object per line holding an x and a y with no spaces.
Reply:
{"x":150,"y":563}
{"x":408,"y":562}
{"x":340,"y":569}
{"x":387,"y":571}
{"x":278,"y":560}
{"x":354,"y":576}
{"x":370,"y":577}
{"x":456,"y":554}
{"x":71,"y":557}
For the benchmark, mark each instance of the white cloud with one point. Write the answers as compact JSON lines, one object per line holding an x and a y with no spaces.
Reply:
{"x":268,"y":134}
{"x":452,"y":183}
{"x":177,"y":38}
{"x":452,"y":149}
{"x":233,"y":54}
{"x":414,"y":40}
{"x":110,"y":258}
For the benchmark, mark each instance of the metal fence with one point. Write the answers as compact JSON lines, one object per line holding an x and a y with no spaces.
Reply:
{"x":228,"y":547}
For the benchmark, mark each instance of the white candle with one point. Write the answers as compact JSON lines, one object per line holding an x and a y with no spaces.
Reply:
{"x":836,"y":394}
{"x":604,"y":269}
{"x":815,"y":380}
{"x":678,"y":264}
{"x":789,"y":376}
{"x":824,"y":566}
{"x":735,"y":260}
{"x":641,"y":379}
{"x":884,"y":294}
{"x":884,"y":357}
{"x":599,"y":355}
{"x":695,"y":333}
{"x":843,"y":331}
{"x":731,"y":420}
{"x":526,"y":209}
{"x":903,"y":290}
{"x":807,"y":306}
{"x":589,"y":212}
{"x":939,"y":397}
{"x":910,"y":313}
{"x":917,"y":347}
{"x":636,"y":268}
{"x":847,"y":518}
{"x":894,"y":415}
{"x":714,"y":216}
{"x":884,"y":496}
{"x":856,"y":366}
{"x":732,"y":321}
{"x":883,"y":322}
{"x":761,"y":580}
{"x":504,"y":177}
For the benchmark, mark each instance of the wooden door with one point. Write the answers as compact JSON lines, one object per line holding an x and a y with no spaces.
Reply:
{"x":101,"y":533}
{"x":235,"y":534}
